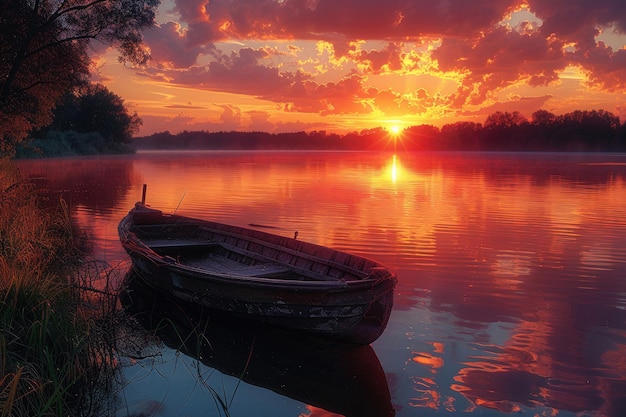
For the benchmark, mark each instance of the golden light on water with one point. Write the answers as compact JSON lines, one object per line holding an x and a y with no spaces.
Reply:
{"x":509,"y":254}
{"x":394,"y":169}
{"x":395,"y":133}
{"x":394,"y":172}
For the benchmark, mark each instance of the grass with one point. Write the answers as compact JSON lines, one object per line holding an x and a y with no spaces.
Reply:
{"x":53,"y":361}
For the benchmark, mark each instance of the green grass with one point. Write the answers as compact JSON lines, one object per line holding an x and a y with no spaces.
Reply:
{"x":53,"y":361}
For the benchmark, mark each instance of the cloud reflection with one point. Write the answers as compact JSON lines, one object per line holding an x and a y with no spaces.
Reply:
{"x":511,"y":291}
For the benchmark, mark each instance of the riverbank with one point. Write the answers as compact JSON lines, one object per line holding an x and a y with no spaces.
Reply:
{"x":55,"y":358}
{"x":62,"y":144}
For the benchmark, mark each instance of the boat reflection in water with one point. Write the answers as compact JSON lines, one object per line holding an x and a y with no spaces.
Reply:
{"x":343,"y":379}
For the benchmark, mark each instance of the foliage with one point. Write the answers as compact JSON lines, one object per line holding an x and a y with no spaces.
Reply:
{"x":504,"y":120}
{"x":52,"y":356}
{"x":43,"y":54}
{"x":89,"y":121}
{"x":95,"y":109}
{"x":595,"y":130}
{"x":57,"y":144}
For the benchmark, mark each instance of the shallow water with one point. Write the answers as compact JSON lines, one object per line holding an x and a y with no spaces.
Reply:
{"x":511,"y":268}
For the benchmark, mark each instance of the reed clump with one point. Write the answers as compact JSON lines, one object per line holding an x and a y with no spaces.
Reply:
{"x":52,"y":359}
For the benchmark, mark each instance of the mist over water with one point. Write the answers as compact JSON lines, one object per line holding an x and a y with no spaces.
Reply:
{"x":511,"y":268}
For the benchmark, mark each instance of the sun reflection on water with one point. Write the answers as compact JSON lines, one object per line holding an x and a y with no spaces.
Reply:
{"x":514,"y":266}
{"x":394,"y":169}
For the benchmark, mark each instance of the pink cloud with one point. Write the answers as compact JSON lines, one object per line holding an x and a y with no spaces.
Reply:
{"x":231,"y":115}
{"x":498,"y":59}
{"x":353,"y":19}
{"x":168,"y":46}
{"x":390,"y":57}
{"x":606,"y":68}
{"x":525,"y":105}
{"x":486,"y":56}
{"x":243,"y":73}
{"x":250,"y":121}
{"x":576,"y":20}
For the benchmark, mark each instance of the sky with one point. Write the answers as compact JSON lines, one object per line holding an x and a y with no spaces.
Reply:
{"x":347,"y":65}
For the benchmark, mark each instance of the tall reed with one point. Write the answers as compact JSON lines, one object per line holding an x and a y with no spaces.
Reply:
{"x":52,"y":359}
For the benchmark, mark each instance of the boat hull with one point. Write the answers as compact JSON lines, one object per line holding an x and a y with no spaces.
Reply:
{"x":342,"y":379}
{"x":353,"y":309}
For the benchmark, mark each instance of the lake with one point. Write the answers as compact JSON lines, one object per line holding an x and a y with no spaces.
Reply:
{"x":511,"y":294}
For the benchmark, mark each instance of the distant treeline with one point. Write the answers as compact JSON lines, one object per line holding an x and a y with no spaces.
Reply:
{"x":578,"y":131}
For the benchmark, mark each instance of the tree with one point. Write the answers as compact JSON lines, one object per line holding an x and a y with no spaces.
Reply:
{"x":422,"y":137}
{"x":590,"y":130}
{"x":543,"y":118}
{"x":505,"y":119}
{"x":95,"y":109}
{"x":461,"y":135}
{"x":504,"y":131}
{"x":44,"y":53}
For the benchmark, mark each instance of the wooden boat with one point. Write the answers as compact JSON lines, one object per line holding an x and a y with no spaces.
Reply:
{"x":278,"y":280}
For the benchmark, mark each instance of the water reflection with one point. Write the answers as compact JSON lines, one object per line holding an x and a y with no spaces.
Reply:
{"x":511,"y":268}
{"x":330,"y":379}
{"x":84,"y":182}
{"x":94,"y":189}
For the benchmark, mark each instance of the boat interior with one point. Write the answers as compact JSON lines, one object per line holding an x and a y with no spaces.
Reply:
{"x":255,"y":254}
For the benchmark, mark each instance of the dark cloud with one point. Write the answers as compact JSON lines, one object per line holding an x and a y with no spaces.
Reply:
{"x":169,"y":46}
{"x":498,"y":59}
{"x":352,"y":19}
{"x":605,"y":68}
{"x":388,"y":58}
{"x":243,"y":73}
{"x":576,"y":20}
{"x":483,"y":55}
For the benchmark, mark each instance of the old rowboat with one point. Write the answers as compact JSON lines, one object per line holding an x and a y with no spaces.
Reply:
{"x":278,"y":280}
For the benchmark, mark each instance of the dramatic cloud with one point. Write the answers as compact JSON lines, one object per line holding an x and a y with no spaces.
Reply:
{"x":606,"y":68}
{"x":499,"y":59}
{"x":397,"y":58}
{"x":351,"y":19}
{"x":577,"y":21}
{"x":167,"y":46}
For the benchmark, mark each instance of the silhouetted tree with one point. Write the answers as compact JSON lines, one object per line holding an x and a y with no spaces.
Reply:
{"x":461,"y":135}
{"x":583,"y":130}
{"x":43,"y":53}
{"x":422,"y":137}
{"x":95,"y":109}
{"x":543,"y":118}
{"x":504,"y":131}
{"x":505,"y":119}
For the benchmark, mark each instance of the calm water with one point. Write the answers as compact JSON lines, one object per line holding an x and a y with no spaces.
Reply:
{"x":511,"y":269}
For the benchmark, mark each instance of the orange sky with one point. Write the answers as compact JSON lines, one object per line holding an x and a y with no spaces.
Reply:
{"x":346,"y":65}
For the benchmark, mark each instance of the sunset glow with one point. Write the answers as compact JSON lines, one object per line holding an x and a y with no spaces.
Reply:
{"x":293,"y":65}
{"x":509,"y":270}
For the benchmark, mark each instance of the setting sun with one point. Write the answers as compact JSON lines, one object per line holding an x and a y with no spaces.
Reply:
{"x":292,"y":66}
{"x":343,"y":208}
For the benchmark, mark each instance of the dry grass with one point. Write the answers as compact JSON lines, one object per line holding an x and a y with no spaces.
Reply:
{"x":52,"y":359}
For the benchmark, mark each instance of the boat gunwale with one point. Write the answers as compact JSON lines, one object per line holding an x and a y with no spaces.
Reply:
{"x":213,"y":227}
{"x":165,"y":274}
{"x":317,"y":278}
